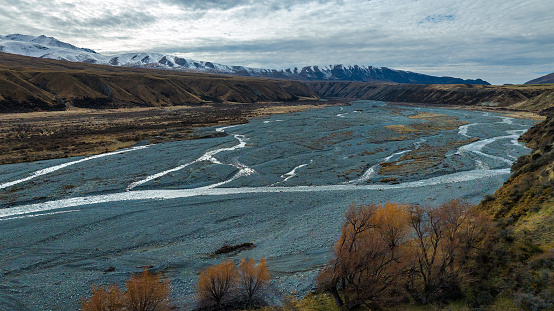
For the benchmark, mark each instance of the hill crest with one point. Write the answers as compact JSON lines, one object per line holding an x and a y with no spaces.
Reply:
{"x":49,"y":47}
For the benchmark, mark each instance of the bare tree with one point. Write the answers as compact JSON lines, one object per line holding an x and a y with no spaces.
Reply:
{"x":443,"y":238}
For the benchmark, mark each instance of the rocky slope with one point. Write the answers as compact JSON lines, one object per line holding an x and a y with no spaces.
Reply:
{"x":48,"y":47}
{"x":535,"y":98}
{"x":30,"y":84}
{"x":549,"y":78}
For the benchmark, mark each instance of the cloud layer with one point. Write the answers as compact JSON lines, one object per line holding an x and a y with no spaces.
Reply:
{"x":502,"y":41}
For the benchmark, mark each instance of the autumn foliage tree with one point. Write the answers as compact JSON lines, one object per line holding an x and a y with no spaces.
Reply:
{"x":109,"y":299}
{"x":252,"y":278}
{"x":367,"y":263}
{"x":225,"y":280}
{"x":147,"y":292}
{"x":144,"y":292}
{"x":387,"y":251}
{"x":216,"y":282}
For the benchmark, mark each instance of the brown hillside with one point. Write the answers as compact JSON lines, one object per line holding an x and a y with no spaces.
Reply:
{"x":549,"y":78}
{"x":31,"y":84}
{"x":526,"y":96}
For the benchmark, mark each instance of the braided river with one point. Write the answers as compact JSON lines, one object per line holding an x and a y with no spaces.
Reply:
{"x":282,"y":183}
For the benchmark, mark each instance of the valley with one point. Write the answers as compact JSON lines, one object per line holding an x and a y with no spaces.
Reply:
{"x":276,"y":155}
{"x":281,"y":182}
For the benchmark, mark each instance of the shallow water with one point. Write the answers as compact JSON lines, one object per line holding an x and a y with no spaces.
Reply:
{"x":282,"y":183}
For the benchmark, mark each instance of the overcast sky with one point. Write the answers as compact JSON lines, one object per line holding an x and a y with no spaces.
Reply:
{"x":501,"y":41}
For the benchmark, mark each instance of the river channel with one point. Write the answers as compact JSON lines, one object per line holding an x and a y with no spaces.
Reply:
{"x":282,"y":183}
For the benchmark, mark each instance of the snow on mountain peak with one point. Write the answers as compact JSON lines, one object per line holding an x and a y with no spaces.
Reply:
{"x":49,"y":47}
{"x":42,"y":40}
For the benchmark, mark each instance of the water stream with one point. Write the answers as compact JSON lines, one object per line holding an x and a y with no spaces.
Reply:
{"x":282,"y":183}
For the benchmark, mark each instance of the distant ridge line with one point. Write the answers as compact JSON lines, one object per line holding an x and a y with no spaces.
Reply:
{"x":49,"y":47}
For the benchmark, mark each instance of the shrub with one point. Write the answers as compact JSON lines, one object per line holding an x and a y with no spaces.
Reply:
{"x":145,"y":292}
{"x":535,"y":284}
{"x":109,"y":299}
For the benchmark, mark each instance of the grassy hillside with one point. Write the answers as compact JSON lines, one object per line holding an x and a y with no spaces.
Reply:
{"x":526,"y":200}
{"x":31,"y":84}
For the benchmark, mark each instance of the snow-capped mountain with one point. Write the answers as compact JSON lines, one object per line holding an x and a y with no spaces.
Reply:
{"x":371,"y":74}
{"x":48,"y":47}
{"x":45,"y":47}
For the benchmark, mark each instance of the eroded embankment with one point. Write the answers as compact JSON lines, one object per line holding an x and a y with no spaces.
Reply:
{"x":526,"y":97}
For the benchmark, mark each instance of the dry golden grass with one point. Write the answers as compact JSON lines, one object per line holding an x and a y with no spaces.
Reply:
{"x":32,"y":84}
{"x":427,"y":115}
{"x":401,"y":129}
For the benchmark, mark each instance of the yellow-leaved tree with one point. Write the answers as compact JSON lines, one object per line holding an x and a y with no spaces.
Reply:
{"x":109,"y":299}
{"x":368,"y":255}
{"x":216,"y":282}
{"x":252,"y":278}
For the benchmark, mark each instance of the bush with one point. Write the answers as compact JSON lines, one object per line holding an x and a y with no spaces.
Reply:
{"x":145,"y":292}
{"x":535,"y":284}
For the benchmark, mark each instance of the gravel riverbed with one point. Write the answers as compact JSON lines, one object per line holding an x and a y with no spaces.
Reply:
{"x":282,"y":183}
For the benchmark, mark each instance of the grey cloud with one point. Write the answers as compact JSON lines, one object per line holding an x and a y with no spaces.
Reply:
{"x":438,"y":56}
{"x":209,"y":4}
{"x":125,"y":20}
{"x":438,"y":18}
{"x":31,"y":18}
{"x":272,"y":5}
{"x":309,"y":44}
{"x":471,"y":38}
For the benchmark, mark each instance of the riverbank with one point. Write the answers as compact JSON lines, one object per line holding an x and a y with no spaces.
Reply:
{"x":512,"y":113}
{"x":35,"y":136}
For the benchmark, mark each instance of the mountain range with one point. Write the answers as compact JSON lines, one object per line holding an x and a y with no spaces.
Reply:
{"x":49,"y":47}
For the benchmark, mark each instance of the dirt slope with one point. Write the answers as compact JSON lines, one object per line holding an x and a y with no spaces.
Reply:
{"x":534,"y":97}
{"x":31,"y":84}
